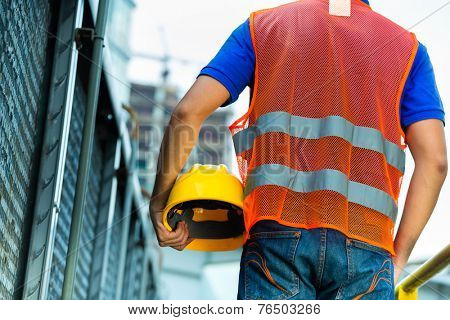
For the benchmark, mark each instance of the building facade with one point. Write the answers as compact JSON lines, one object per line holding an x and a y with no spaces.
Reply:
{"x":44,"y":82}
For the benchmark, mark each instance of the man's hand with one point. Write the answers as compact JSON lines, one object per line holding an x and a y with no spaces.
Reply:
{"x":177,"y":239}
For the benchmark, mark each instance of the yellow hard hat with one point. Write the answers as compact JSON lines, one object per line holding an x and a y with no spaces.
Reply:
{"x":210,"y":200}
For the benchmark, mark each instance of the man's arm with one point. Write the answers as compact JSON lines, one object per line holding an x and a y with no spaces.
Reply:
{"x":426,"y":140}
{"x":205,"y":96}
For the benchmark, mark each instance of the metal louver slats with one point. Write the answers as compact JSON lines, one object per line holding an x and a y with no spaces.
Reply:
{"x":104,"y":227}
{"x":23,"y":87}
{"x":54,"y":147}
{"x":92,"y":205}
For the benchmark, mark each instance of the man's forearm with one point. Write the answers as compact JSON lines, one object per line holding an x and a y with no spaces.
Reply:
{"x":423,"y":194}
{"x":179,"y":139}
{"x":181,"y":135}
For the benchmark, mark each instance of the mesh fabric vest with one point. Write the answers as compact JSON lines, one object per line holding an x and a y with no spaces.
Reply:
{"x":322,"y":144}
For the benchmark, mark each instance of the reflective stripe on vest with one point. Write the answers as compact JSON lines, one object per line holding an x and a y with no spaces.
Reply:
{"x":309,"y":128}
{"x":327,"y":179}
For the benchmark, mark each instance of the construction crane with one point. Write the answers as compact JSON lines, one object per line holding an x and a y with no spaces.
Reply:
{"x":166,"y":58}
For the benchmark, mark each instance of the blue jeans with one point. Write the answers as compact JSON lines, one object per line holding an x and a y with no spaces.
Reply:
{"x":280,"y":262}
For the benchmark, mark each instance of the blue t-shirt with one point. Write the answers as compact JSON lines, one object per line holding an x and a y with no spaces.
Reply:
{"x":234,"y":67}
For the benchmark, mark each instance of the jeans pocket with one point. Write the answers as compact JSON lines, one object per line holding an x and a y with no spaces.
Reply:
{"x":367,"y":246}
{"x":268,"y":265}
{"x":370,"y":272}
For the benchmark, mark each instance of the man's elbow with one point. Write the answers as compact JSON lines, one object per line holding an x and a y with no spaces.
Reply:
{"x":185,"y":114}
{"x":433,"y":165}
{"x":443,"y":167}
{"x":440,"y":165}
{"x":181,"y":113}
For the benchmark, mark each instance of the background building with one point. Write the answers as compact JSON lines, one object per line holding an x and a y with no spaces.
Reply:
{"x":154,"y":113}
{"x":214,"y":145}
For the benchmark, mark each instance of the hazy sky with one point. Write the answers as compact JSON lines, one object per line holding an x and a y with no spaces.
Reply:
{"x":195,"y":31}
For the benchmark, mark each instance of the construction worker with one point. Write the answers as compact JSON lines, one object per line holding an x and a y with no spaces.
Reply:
{"x":337,"y":96}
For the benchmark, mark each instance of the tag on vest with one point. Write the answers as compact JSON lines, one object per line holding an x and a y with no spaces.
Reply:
{"x":340,"y":8}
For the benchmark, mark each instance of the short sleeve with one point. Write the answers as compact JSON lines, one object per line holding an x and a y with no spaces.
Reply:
{"x":421,"y":99}
{"x":234,"y":64}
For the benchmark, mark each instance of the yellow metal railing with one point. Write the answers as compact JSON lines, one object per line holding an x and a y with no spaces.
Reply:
{"x":408,"y":288}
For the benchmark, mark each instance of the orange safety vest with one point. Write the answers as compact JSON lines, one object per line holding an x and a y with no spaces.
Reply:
{"x":321,"y":144}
